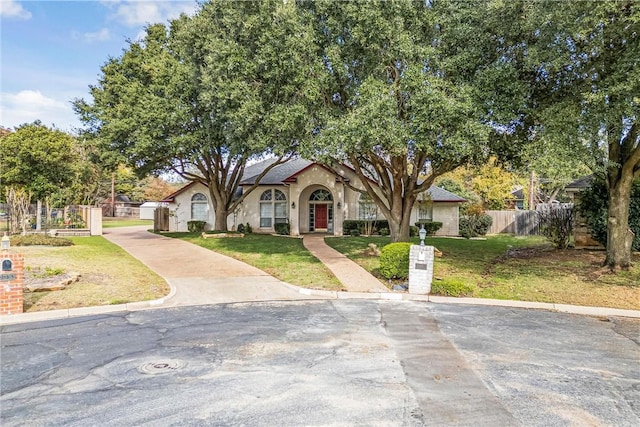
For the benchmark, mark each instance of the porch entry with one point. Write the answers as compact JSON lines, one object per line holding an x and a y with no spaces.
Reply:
{"x":321,"y":211}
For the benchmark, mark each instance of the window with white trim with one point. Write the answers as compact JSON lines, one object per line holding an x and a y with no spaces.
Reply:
{"x":199,"y":207}
{"x":425,"y":211}
{"x":273,"y":208}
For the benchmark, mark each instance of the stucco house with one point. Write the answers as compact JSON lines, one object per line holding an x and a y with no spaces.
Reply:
{"x":307,"y":195}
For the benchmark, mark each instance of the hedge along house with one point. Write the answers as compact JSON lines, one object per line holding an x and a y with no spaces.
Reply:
{"x":308,"y":196}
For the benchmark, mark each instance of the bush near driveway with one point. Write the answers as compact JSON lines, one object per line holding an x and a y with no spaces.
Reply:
{"x":452,"y":288}
{"x":394,"y":260}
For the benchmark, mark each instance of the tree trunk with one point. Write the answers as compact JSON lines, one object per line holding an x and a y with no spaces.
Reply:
{"x":399,"y":226}
{"x":221,"y":218}
{"x":619,"y":235}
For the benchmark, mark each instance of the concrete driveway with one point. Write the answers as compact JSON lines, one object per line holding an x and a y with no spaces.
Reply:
{"x":330,"y":363}
{"x":198,"y":275}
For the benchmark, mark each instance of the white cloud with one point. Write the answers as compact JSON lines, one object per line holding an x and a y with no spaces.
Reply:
{"x":134,"y":13}
{"x":29,"y":105}
{"x":13,"y":9}
{"x":98,"y":36}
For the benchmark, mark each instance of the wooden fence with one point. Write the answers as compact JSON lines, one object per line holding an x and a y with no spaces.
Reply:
{"x":520,"y":223}
{"x":161,"y":219}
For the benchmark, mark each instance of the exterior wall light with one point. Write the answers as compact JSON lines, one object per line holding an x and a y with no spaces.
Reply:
{"x":339,"y":205}
{"x":6,"y":243}
{"x":293,"y":205}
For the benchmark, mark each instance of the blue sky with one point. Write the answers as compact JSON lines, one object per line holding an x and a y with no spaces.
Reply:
{"x":51,"y":51}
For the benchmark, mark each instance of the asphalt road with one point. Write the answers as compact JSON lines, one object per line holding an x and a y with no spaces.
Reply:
{"x":339,"y":362}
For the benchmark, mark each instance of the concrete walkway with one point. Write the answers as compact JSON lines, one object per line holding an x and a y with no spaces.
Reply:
{"x":353,"y":277}
{"x":198,"y":275}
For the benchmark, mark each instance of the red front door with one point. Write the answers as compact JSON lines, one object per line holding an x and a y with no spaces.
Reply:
{"x":321,"y":216}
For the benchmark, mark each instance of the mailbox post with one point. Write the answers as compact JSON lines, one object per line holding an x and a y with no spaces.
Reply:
{"x":420,"y":266}
{"x":11,"y":279}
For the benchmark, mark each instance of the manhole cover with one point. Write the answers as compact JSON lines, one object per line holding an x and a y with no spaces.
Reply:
{"x":161,"y":367}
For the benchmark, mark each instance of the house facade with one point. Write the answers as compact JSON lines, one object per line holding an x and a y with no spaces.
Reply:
{"x":308,"y":196}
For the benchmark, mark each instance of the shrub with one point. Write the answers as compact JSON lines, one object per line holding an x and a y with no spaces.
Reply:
{"x":362,"y":225}
{"x":475,"y":225}
{"x":40,"y":240}
{"x":556,"y":224}
{"x":354,"y":232}
{"x":394,"y":260}
{"x":196,"y":226}
{"x":413,"y":231}
{"x":282,"y":228}
{"x":431,"y":227}
{"x":240,"y":228}
{"x":248,"y":229}
{"x":593,"y":206}
{"x":452,"y":288}
{"x":384,"y":231}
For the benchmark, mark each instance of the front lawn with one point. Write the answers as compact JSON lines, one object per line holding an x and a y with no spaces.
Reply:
{"x":283,"y":257}
{"x":108,"y":275}
{"x":518,"y":268}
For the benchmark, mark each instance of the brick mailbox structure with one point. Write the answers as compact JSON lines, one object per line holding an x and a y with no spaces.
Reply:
{"x":11,"y":283}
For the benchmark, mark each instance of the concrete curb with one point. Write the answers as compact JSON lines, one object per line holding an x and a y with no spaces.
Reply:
{"x":391,"y":296}
{"x":397,"y":296}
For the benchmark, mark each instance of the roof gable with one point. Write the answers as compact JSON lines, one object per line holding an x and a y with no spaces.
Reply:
{"x":172,"y":197}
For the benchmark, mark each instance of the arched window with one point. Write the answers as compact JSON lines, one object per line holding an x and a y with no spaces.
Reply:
{"x":273,"y":208}
{"x":321,"y":196}
{"x":367,"y":209}
{"x":199,"y":207}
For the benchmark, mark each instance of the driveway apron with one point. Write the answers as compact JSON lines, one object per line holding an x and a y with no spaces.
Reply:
{"x":197,"y":275}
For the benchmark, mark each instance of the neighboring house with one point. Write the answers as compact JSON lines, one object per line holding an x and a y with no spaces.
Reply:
{"x":572,"y":189}
{"x":307,"y":195}
{"x":517,"y":200}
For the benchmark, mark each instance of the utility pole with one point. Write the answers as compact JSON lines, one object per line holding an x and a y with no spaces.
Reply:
{"x":532,"y":191}
{"x":113,"y":194}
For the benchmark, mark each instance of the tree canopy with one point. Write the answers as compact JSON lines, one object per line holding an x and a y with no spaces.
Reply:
{"x":208,"y":94}
{"x":395,"y":109}
{"x":41,"y":160}
{"x":569,"y":76}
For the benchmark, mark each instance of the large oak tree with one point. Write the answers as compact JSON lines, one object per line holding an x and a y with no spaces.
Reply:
{"x":209,"y":94}
{"x":564,"y":78}
{"x":394,"y":110}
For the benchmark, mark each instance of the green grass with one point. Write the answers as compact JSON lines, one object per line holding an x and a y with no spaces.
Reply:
{"x":120,"y":222}
{"x":107,"y":274}
{"x":282,"y":257}
{"x":517,"y":268}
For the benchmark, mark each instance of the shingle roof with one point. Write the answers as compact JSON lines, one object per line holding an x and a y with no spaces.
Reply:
{"x":441,"y":195}
{"x":279,"y":175}
{"x":581,"y":183}
{"x":275,"y":176}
